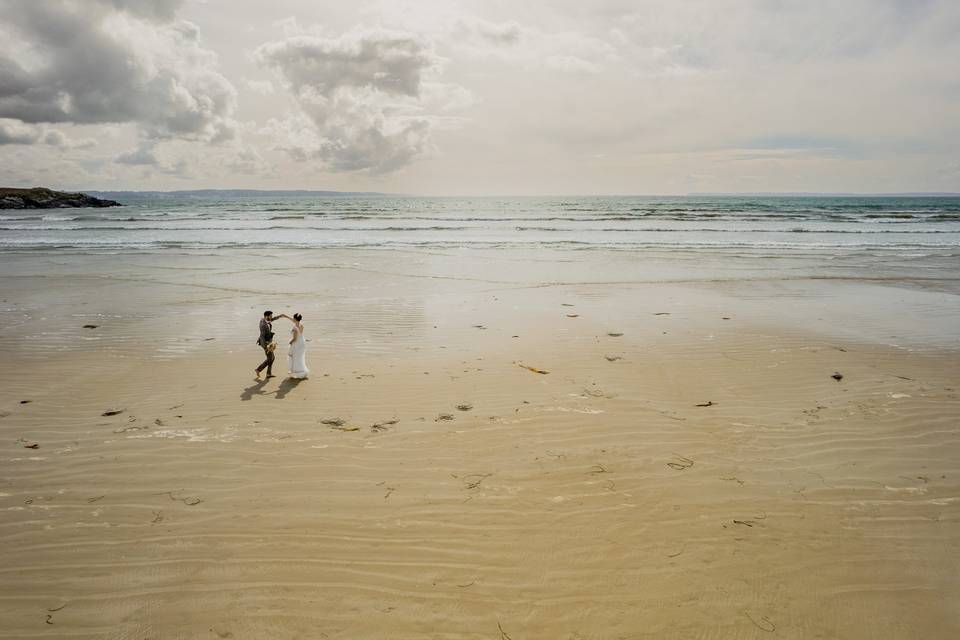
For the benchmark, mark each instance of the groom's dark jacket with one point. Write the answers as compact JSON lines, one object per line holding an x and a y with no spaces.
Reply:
{"x":266,"y":333}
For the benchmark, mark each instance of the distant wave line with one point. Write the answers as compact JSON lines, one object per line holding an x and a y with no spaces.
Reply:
{"x":577,"y":244}
{"x":402,"y":216}
{"x":474,"y":228}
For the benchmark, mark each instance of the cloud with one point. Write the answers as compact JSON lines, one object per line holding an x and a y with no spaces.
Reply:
{"x":571,"y":64}
{"x":16,"y":132}
{"x":599,"y":96}
{"x":798,"y":143}
{"x":295,"y":134}
{"x":262,"y":87}
{"x":142,"y":155}
{"x":532,"y":47}
{"x":247,"y":161}
{"x":754,"y":34}
{"x":112,"y":61}
{"x":362,"y":97}
{"x":145,"y":156}
{"x":55,"y":138}
{"x":389,"y":61}
{"x":497,"y":34}
{"x":149,"y":9}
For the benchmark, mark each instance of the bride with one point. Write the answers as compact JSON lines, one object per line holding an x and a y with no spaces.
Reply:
{"x":297,"y":357}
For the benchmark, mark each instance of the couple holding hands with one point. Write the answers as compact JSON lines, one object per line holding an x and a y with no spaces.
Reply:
{"x":296,"y":356}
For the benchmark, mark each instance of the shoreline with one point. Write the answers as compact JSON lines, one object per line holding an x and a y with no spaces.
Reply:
{"x":135,"y":300}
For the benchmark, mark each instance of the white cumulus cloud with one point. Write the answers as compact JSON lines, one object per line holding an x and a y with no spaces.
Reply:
{"x":368,"y":98}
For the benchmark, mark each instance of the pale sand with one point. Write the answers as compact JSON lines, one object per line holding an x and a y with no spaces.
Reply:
{"x":595,"y":501}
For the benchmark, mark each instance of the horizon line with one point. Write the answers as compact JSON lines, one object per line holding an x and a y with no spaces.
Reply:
{"x":547,"y":195}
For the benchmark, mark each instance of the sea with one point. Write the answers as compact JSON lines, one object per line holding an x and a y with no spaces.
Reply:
{"x":762,"y":224}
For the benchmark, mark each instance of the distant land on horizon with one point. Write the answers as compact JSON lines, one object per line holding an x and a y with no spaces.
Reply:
{"x":247,"y":193}
{"x":839,"y":194}
{"x":239,"y":193}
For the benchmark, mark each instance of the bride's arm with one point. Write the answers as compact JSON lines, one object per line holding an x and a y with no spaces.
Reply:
{"x":293,"y":336}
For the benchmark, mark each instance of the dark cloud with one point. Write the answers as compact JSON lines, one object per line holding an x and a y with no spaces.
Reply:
{"x":111,"y":61}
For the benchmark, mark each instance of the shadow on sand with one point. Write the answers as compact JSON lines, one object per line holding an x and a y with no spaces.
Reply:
{"x":288,"y":385}
{"x":256,"y":389}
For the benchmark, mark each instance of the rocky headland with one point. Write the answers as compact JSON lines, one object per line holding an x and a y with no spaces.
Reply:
{"x":41,"y":198}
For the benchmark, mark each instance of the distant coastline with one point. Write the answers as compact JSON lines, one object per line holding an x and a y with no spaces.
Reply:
{"x":43,"y":198}
{"x":236,"y":193}
{"x":254,"y":193}
{"x":814,"y":194}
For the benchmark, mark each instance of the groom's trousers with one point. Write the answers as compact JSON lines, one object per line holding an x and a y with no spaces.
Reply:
{"x":268,"y":363}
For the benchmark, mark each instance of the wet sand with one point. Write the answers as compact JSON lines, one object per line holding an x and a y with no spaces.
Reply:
{"x":687,"y":467}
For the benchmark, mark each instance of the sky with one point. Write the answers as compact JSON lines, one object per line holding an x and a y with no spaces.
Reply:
{"x":482,"y":97}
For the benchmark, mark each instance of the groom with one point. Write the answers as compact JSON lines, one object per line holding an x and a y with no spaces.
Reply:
{"x":266,"y":343}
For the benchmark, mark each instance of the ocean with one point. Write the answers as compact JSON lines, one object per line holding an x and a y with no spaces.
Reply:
{"x":753,"y":224}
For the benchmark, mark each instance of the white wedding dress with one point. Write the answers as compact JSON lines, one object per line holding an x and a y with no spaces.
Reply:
{"x":297,"y":357}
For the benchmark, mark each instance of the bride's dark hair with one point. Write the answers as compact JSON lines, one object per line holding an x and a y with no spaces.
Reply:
{"x":298,"y":317}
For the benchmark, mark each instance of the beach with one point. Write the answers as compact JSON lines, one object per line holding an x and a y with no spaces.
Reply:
{"x":620,"y":320}
{"x":493,"y":443}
